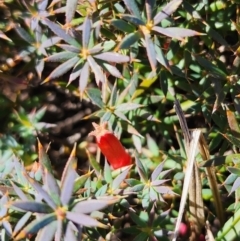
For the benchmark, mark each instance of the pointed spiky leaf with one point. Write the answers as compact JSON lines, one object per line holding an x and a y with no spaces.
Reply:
{"x":132,"y":7}
{"x":86,"y":32}
{"x":47,"y":233}
{"x":41,"y":192}
{"x":95,"y":96}
{"x":71,"y":7}
{"x":120,"y":178}
{"x":21,"y":223}
{"x":68,"y":177}
{"x":83,"y":80}
{"x":99,"y":77}
{"x":80,"y":181}
{"x":167,"y":11}
{"x":90,"y":206}
{"x":107,"y":173}
{"x":62,"y":69}
{"x":141,"y":170}
{"x":62,"y":56}
{"x":36,"y":225}
{"x":52,"y":186}
{"x":133,"y":19}
{"x":24,"y":35}
{"x":84,"y":220}
{"x":43,"y":158}
{"x":123,"y":25}
{"x":32,"y":206}
{"x":129,"y":40}
{"x":112,"y":57}
{"x":177,"y":33}
{"x":151,"y":52}
{"x":157,"y":171}
{"x":112,"y":70}
{"x":150,"y":4}
{"x":61,"y":33}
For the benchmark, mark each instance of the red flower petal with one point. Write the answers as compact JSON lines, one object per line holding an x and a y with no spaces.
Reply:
{"x":110,"y":146}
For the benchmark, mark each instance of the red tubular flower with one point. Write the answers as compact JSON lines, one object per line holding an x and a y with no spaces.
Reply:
{"x":110,"y":146}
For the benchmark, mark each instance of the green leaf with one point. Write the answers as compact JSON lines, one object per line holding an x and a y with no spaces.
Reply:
{"x":80,"y":181}
{"x":120,"y":178}
{"x":84,"y":220}
{"x":41,"y":192}
{"x":128,"y":107}
{"x":129,"y":40}
{"x":164,"y":82}
{"x":136,"y":219}
{"x":210,"y":67}
{"x":62,"y":56}
{"x":141,"y":170}
{"x":86,"y":32}
{"x":151,"y":52}
{"x":177,"y":33}
{"x":161,"y":58}
{"x":229,"y":230}
{"x":132,"y":19}
{"x":96,"y":166}
{"x":99,"y":77}
{"x":107,"y":173}
{"x":21,"y":223}
{"x":152,"y":145}
{"x":71,"y":7}
{"x":32,"y":206}
{"x":61,"y":33}
{"x":62,"y":69}
{"x":150,"y":4}
{"x":167,"y":11}
{"x":89,"y":206}
{"x":36,"y":225}
{"x":132,"y":7}
{"x":83,"y":80}
{"x":112,"y":70}
{"x":123,"y":25}
{"x":68,"y":177}
{"x":112,"y":57}
{"x":69,"y":48}
{"x":76,"y":71}
{"x":24,"y":34}
{"x":221,"y":160}
{"x":95,"y":96}
{"x":234,"y":170}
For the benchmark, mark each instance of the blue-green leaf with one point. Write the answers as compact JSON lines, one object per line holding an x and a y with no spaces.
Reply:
{"x":129,"y":40}
{"x":86,"y":32}
{"x":62,"y":69}
{"x":99,"y":76}
{"x":62,"y":56}
{"x":132,"y":19}
{"x":177,"y":33}
{"x":61,"y":33}
{"x":71,"y":7}
{"x":32,"y":206}
{"x":151,"y":51}
{"x":83,"y":80}
{"x":123,"y":25}
{"x":24,"y":34}
{"x":167,"y":11}
{"x":150,"y":4}
{"x":132,"y":7}
{"x":95,"y":96}
{"x":112,"y":57}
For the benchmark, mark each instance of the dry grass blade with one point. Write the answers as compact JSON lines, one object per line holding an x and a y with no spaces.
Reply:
{"x":187,"y":179}
{"x":192,"y":181}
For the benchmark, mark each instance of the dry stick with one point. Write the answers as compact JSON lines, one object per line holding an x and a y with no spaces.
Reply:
{"x":192,"y":175}
{"x":204,"y":151}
